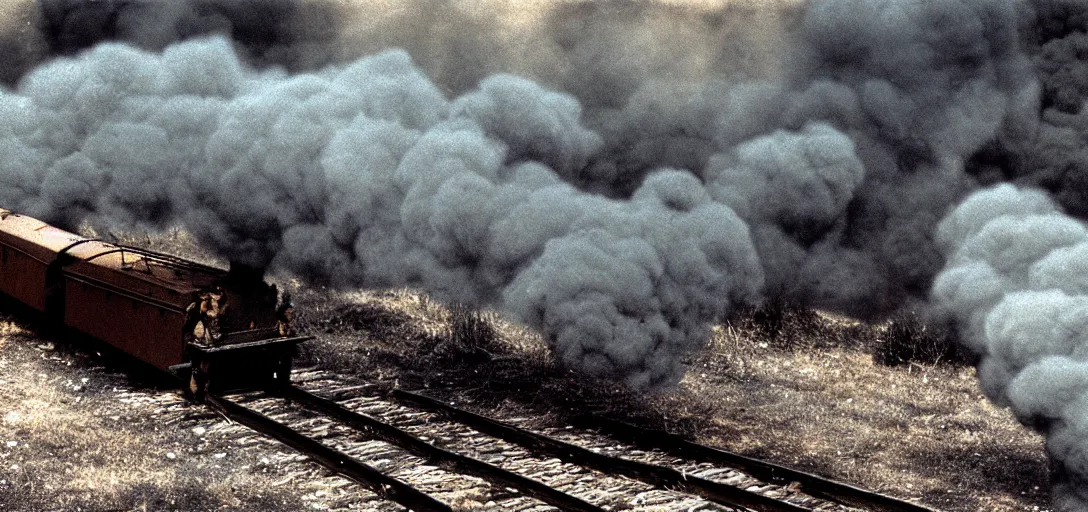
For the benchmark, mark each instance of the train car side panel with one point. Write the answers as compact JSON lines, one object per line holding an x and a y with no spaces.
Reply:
{"x":133,"y":301}
{"x":147,"y":331}
{"x":28,"y":249}
{"x":22,"y":277}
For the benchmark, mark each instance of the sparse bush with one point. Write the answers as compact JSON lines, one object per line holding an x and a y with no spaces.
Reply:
{"x":907,"y":339}
{"x":769,"y":318}
{"x":472,"y":331}
{"x":784,"y":325}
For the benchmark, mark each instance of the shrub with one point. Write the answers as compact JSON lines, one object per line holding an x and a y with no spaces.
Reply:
{"x":785,"y":325}
{"x":472,"y":331}
{"x":907,"y":339}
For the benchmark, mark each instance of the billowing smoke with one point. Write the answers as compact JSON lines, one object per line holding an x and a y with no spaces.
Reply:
{"x":263,"y":30}
{"x":618,"y":175}
{"x":1015,"y":284}
{"x":618,"y":218}
{"x":368,"y":175}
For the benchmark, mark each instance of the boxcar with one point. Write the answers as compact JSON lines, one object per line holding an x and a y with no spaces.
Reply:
{"x":168,"y":312}
{"x":28,"y":252}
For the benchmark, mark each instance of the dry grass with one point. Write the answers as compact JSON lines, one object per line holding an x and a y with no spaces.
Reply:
{"x":796,"y":387}
{"x":174,"y":241}
{"x":789,"y":385}
{"x":913,"y":431}
{"x":67,"y":443}
{"x":907,"y":339}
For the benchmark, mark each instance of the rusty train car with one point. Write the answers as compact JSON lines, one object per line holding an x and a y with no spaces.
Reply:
{"x":223,"y":329}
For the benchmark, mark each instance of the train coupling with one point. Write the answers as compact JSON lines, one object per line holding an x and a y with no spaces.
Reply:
{"x":260,"y":364}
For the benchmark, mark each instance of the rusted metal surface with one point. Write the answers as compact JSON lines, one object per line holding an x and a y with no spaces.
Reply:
{"x":34,"y":237}
{"x":165,"y":283}
{"x":146,"y":330}
{"x":147,"y":304}
{"x":152,"y":305}
{"x":23,"y":277}
{"x":28,"y":247}
{"x":133,"y":301}
{"x":247,"y":347}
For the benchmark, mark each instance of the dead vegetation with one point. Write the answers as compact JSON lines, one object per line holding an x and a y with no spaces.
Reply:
{"x":71,"y":439}
{"x":176,"y":241}
{"x":907,"y":339}
{"x":890,"y":407}
{"x":869,"y":404}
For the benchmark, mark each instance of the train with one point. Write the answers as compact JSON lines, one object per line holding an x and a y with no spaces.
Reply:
{"x":219,"y":330}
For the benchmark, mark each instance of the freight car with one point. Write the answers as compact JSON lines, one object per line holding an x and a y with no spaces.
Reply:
{"x":221,"y":329}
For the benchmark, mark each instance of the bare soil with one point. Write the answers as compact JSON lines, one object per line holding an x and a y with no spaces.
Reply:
{"x":81,"y":431}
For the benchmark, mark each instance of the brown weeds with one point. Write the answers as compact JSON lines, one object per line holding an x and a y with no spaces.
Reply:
{"x":794,"y":386}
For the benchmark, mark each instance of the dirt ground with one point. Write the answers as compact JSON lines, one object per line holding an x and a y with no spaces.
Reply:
{"x":78,"y":432}
{"x":806,"y":393}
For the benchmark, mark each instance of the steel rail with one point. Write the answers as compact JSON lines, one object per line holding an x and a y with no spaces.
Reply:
{"x":648,"y":473}
{"x":813,"y":485}
{"x":442,"y":458}
{"x":385,"y":486}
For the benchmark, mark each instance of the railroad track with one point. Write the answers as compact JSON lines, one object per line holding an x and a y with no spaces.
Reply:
{"x":426,"y":455}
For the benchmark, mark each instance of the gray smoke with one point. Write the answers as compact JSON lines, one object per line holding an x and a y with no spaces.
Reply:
{"x":618,"y":175}
{"x":914,"y":117}
{"x":368,"y":175}
{"x":1015,"y":284}
{"x":267,"y":32}
{"x":616,"y":216}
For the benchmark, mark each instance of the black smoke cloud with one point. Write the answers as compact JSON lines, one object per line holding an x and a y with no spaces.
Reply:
{"x":1013,"y":282}
{"x":618,"y":175}
{"x":285,"y":33}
